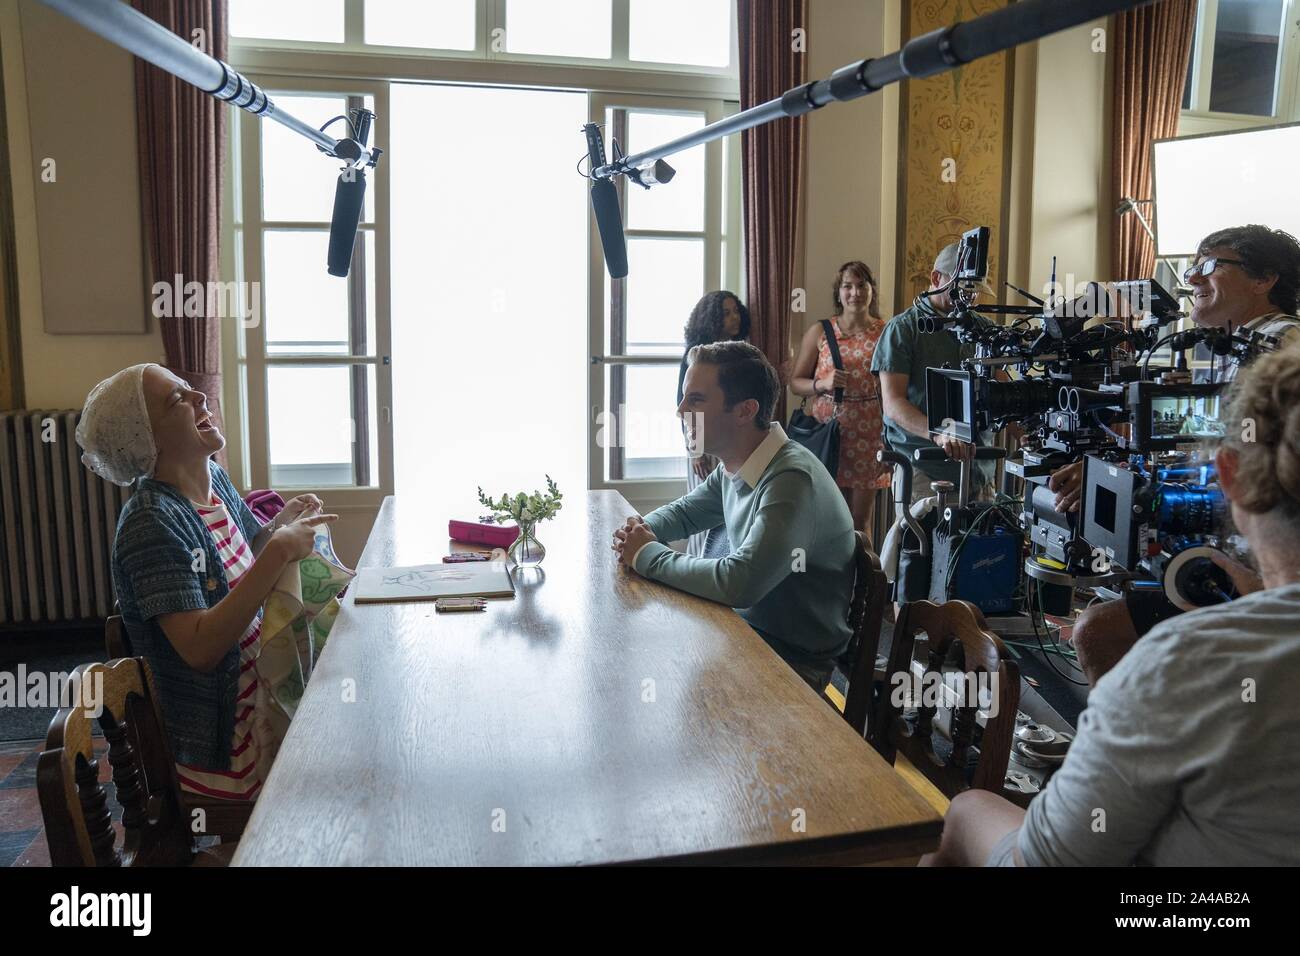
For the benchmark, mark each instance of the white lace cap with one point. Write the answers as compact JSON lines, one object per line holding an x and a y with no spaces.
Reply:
{"x":114,"y":432}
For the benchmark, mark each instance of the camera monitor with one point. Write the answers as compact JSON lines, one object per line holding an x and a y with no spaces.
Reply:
{"x":973,"y":256}
{"x":1167,"y":416}
{"x":1143,"y":296}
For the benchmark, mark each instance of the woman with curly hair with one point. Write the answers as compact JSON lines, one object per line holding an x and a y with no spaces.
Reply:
{"x":857,"y":325}
{"x":717,"y":317}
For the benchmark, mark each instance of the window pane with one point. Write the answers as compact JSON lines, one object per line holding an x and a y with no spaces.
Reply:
{"x":298,"y":180}
{"x":444,"y":25}
{"x":559,"y":27}
{"x":1246,"y":47}
{"x":312,"y":422}
{"x":319,"y":21}
{"x":678,"y":204}
{"x":665,"y":278}
{"x":697,"y":32}
{"x":649,"y":433}
{"x":306,"y":309}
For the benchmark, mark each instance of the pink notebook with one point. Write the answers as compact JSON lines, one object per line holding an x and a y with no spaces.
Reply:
{"x":491,"y":535}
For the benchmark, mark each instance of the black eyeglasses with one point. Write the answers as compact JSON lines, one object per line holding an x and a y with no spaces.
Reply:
{"x":1206,"y":266}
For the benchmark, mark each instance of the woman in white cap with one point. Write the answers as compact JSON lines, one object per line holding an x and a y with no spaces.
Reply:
{"x":184,"y":540}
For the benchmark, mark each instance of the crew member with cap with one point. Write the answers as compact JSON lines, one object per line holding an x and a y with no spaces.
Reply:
{"x":902,"y":355}
{"x":184,"y":540}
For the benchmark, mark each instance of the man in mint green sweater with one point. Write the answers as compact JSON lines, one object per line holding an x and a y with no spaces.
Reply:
{"x":790,"y":570}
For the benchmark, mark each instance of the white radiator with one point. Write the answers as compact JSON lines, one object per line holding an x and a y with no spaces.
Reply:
{"x":57,"y":521}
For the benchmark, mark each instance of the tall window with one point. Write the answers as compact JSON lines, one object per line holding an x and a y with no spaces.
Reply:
{"x":682,"y":241}
{"x":315,"y":389}
{"x":313,"y":357}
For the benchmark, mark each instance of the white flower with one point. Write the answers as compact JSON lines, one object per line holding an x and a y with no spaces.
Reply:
{"x":527,"y":515}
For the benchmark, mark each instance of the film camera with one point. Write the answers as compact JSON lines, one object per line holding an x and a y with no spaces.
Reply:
{"x":1149,"y":514}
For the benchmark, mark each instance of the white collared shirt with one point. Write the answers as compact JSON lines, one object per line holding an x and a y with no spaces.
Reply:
{"x":760,"y":457}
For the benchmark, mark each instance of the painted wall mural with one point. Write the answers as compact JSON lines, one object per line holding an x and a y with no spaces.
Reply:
{"x":954,"y":159}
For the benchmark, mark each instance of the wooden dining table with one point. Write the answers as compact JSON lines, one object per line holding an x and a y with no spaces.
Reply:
{"x":596,"y":717}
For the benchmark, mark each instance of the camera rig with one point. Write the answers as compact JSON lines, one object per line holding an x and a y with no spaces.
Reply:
{"x":1076,"y":375}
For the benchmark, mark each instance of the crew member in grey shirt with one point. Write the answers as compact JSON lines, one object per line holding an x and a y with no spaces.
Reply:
{"x":1189,"y":751}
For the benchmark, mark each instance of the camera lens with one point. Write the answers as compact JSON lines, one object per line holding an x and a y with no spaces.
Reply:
{"x":1189,"y":509}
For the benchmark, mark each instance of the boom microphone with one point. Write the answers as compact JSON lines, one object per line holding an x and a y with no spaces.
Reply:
{"x":349,"y":199}
{"x":605,"y":204}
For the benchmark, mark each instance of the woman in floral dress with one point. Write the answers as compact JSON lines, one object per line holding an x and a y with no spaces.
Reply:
{"x":857,"y":324}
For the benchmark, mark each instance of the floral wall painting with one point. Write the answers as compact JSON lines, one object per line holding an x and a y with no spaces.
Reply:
{"x":954,"y":151}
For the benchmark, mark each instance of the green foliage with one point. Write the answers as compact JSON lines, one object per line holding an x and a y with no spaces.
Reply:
{"x":523,"y":508}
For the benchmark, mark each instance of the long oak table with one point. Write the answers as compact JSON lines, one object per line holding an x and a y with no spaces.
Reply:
{"x":597,"y":717}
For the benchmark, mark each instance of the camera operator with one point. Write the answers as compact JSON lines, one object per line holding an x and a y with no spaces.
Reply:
{"x":1247,"y":279}
{"x":1190,"y":770}
{"x":902,"y":355}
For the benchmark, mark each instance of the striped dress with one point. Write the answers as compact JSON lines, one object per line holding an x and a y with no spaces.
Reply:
{"x":241,"y":781}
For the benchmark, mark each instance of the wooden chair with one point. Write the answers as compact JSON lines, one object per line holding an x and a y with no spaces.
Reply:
{"x":117,"y":643}
{"x":866,"y":613}
{"x":224,"y":818}
{"x":958,"y":637}
{"x":156,"y":821}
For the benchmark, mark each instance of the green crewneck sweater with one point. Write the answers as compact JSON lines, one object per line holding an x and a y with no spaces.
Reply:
{"x":790,"y":570}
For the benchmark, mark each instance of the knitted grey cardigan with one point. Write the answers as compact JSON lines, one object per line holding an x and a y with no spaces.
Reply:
{"x":164,"y":561}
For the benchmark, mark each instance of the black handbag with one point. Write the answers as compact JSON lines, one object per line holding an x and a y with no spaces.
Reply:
{"x":821,"y":438}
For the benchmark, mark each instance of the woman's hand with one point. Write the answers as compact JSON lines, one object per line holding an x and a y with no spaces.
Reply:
{"x":294,"y":508}
{"x":298,"y":537}
{"x":839,"y":378}
{"x":704,"y":466}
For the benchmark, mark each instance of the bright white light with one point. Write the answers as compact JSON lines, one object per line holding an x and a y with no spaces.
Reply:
{"x":298,"y":181}
{"x":317,"y":21}
{"x":678,"y":204}
{"x":1207,"y":183}
{"x":695,"y":32}
{"x":444,"y":25}
{"x":665,"y":278}
{"x":489,"y":294}
{"x":305,"y":308}
{"x":559,"y":27}
{"x":310,"y":414}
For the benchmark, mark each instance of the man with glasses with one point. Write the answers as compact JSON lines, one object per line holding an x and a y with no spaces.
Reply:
{"x":1246,"y":279}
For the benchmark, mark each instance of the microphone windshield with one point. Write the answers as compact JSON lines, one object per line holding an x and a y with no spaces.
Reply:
{"x":349,"y":198}
{"x":609,"y":220}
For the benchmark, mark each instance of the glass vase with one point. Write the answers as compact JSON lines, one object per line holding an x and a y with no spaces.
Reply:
{"x":527,"y":551}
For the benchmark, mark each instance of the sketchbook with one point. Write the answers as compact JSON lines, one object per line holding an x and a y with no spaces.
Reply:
{"x":425,"y":582}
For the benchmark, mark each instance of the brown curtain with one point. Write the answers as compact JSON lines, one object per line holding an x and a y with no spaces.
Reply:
{"x":1151,"y":48}
{"x":182,"y":139}
{"x":772,"y":171}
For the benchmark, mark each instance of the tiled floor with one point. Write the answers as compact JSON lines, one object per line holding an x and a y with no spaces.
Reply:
{"x":22,"y":832}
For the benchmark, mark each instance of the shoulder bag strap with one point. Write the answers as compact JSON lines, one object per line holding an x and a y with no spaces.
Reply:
{"x":834,"y":346}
